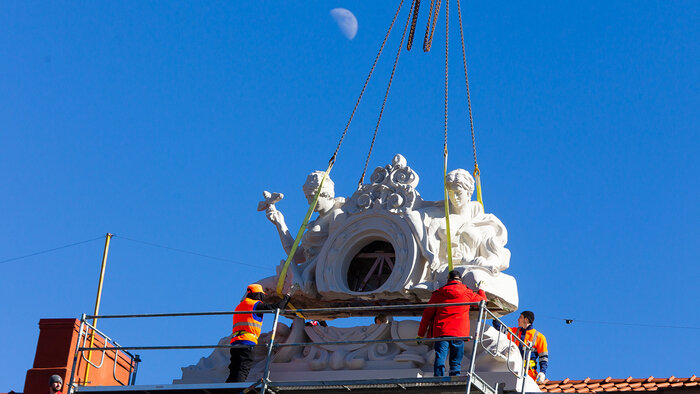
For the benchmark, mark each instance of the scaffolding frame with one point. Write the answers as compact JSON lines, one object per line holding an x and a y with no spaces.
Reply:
{"x":264,"y":384}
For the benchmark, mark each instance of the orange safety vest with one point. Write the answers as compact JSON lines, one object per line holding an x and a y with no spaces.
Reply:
{"x":539,"y":344}
{"x":246,"y":326}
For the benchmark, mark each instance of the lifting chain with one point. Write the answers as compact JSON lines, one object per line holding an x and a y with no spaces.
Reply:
{"x":447,"y":197}
{"x":416,"y":6}
{"x":386,"y":95}
{"x":430,"y":28}
{"x":477,"y":173}
{"x":312,"y":206}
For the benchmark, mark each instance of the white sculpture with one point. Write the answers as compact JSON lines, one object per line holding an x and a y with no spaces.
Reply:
{"x":389,"y":221}
{"x":383,"y":245}
{"x":329,"y":214}
{"x":477,"y":239}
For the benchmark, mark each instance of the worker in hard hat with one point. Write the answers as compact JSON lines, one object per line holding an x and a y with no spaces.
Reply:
{"x":55,"y":384}
{"x":527,"y":333}
{"x":246,"y":331}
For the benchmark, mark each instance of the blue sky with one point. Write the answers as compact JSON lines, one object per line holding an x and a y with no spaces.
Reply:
{"x":164,"y":121}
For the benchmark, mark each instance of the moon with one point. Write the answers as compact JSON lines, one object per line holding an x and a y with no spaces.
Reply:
{"x":346,"y":21}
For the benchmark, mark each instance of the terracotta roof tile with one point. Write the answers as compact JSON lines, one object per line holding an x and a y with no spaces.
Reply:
{"x":609,"y":384}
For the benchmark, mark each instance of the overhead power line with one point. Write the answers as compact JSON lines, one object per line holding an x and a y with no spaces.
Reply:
{"x":50,"y":250}
{"x":187,"y":251}
{"x":572,"y":321}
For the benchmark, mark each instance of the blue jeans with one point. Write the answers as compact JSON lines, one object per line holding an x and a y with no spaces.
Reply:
{"x":456,"y":349}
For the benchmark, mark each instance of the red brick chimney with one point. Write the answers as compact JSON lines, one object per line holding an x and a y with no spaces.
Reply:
{"x":54,"y":356}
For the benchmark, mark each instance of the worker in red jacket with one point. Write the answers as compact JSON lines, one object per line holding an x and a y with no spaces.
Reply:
{"x":449,"y":321}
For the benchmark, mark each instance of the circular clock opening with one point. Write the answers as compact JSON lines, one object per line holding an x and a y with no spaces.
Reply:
{"x":371,"y":266}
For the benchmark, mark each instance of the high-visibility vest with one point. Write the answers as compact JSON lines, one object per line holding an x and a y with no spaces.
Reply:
{"x":539,"y":344}
{"x":246,"y":326}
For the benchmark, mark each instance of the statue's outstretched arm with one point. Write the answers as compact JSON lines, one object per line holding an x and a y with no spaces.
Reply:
{"x":277,"y":218}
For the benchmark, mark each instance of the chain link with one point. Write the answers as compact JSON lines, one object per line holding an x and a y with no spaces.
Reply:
{"x":416,"y":6}
{"x":430,"y":28}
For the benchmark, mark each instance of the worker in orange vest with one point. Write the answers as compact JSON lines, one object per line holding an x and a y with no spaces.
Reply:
{"x":246,"y":331}
{"x":532,"y":337}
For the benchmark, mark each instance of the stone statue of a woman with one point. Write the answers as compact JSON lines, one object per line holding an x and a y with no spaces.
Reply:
{"x":329,"y":214}
{"x":478,"y":240}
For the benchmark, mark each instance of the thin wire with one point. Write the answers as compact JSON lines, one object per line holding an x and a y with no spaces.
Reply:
{"x":187,"y":251}
{"x":364,"y":87}
{"x":386,"y":95}
{"x":50,"y":250}
{"x":571,"y":321}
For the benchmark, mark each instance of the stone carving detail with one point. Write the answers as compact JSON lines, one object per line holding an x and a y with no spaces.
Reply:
{"x":350,"y":361}
{"x":392,"y":188}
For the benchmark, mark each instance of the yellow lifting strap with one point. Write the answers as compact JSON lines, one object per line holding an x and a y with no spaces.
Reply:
{"x":297,"y":240}
{"x":447,"y":216}
{"x":477,"y":180}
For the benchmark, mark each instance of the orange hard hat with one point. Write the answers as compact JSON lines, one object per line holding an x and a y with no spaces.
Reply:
{"x":255,"y":288}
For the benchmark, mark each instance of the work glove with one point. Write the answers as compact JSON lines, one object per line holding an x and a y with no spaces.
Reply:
{"x":294,"y":288}
{"x":418,"y":340}
{"x":540,"y":377}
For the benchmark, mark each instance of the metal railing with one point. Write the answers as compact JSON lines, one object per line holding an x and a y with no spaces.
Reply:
{"x":264,"y":383}
{"x":87,"y":330}
{"x":511,"y":338}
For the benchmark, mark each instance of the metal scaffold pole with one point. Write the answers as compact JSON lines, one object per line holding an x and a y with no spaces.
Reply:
{"x":108,"y":237}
